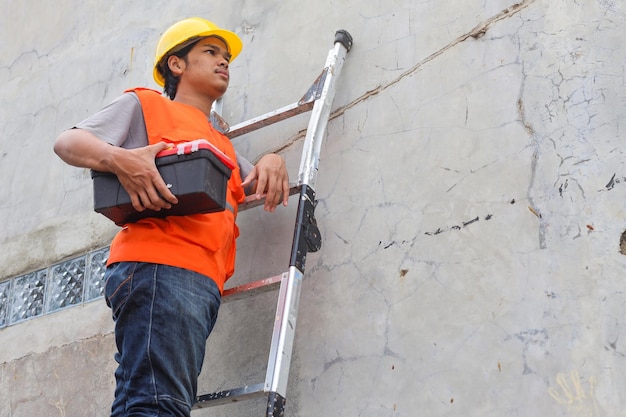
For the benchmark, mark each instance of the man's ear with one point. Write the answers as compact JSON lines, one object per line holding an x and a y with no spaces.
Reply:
{"x":176,"y":65}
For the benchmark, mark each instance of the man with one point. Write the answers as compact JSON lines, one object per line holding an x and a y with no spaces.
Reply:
{"x":165,"y":275}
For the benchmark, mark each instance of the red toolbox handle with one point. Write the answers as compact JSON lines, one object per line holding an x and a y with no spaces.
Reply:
{"x":185,"y":148}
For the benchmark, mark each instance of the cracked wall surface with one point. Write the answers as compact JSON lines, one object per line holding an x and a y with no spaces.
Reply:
{"x":471,"y":203}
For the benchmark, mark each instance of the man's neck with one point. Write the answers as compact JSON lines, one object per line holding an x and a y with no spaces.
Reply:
{"x":201,"y":103}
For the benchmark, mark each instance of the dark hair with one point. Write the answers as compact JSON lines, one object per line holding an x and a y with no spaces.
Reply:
{"x":171,"y":81}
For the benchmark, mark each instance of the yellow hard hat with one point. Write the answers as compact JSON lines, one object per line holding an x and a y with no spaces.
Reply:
{"x":180,"y":33}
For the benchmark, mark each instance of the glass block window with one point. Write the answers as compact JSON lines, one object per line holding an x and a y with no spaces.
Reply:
{"x":5,"y":288}
{"x":28,"y":296}
{"x":65,"y":284}
{"x":96,"y":266}
{"x":65,"y":287}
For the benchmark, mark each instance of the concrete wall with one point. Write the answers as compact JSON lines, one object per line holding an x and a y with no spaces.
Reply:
{"x":471,"y":202}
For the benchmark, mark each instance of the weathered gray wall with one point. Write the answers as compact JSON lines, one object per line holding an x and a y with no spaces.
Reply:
{"x":471,"y":202}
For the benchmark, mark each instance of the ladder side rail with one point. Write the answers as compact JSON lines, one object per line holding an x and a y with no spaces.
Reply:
{"x":282,"y":336}
{"x":306,"y":234}
{"x":319,"y":117}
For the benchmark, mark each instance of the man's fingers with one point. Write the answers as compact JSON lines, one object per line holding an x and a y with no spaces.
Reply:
{"x":285,"y":192}
{"x":261,"y":184}
{"x":249,"y":178}
{"x":167,"y":196}
{"x":136,"y":202}
{"x":149,"y":200}
{"x":153,"y":195}
{"x":163,"y":190}
{"x":274,"y":193}
{"x":155,"y":200}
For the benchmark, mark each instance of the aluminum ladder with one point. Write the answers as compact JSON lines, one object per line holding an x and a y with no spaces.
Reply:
{"x":306,"y":238}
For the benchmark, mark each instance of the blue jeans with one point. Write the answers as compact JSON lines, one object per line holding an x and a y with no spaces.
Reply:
{"x":163,"y":316}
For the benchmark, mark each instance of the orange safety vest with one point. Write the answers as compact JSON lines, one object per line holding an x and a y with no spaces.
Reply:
{"x":204,"y":243}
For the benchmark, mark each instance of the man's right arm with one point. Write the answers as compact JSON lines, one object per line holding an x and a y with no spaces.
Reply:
{"x":135,"y":168}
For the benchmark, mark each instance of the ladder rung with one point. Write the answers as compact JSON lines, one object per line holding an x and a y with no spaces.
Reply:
{"x":230,"y":396}
{"x":305,"y":104}
{"x":251,"y":202}
{"x":252,"y":288}
{"x":270,"y":118}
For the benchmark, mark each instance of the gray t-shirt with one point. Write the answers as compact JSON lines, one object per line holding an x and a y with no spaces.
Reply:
{"x":121,"y":123}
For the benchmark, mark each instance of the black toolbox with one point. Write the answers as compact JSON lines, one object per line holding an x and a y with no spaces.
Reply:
{"x":196,"y":172}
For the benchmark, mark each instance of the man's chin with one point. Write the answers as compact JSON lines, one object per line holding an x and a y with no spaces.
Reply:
{"x":219,"y":92}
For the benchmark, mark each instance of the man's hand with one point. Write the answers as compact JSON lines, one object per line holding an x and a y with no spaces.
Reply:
{"x":271,"y":180}
{"x":138,"y":174}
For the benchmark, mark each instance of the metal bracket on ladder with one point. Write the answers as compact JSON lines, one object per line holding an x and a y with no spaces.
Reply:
{"x":306,"y":237}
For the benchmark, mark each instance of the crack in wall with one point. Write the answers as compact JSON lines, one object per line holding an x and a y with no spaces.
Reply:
{"x":573,"y":110}
{"x":477,"y":32}
{"x":460,"y":226}
{"x":533,"y":169}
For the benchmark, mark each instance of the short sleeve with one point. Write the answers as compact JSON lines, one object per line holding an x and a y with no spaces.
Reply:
{"x":120,"y":123}
{"x":244,"y":165}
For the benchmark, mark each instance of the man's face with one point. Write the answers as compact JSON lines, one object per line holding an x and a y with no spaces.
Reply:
{"x":206,"y":69}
